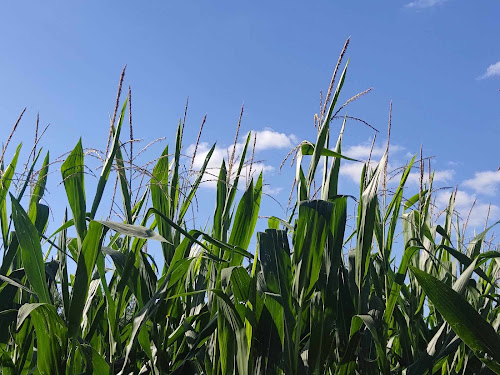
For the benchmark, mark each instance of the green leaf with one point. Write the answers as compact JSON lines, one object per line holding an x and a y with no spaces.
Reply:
{"x":221,"y":198}
{"x":234,"y":187}
{"x":150,"y":307}
{"x":399,"y":279}
{"x":12,"y":282}
{"x":161,"y":200}
{"x":189,"y":197}
{"x":72,"y":171}
{"x":395,"y":208}
{"x":369,"y":322}
{"x":51,"y":334}
{"x":174,"y":186}
{"x":5,"y":181}
{"x":274,"y":253}
{"x":330,"y":185}
{"x":96,"y":364}
{"x":433,"y":352}
{"x":136,"y":231}
{"x":245,"y":219}
{"x":323,"y":134}
{"x":63,"y":266}
{"x":191,"y":235}
{"x":86,"y":263}
{"x":307,"y":148}
{"x":310,"y":236}
{"x":39,"y":189}
{"x":108,"y":163}
{"x":366,"y":219}
{"x":467,"y":323}
{"x":31,"y":251}
{"x":124,"y":187}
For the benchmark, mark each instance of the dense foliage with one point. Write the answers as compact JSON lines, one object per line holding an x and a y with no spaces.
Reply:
{"x":312,"y":297}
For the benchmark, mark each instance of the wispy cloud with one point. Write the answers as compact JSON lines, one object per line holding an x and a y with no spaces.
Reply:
{"x":441,"y":176}
{"x":462,"y":199}
{"x":491,"y":71}
{"x":267,"y":139}
{"x":421,"y":4}
{"x":485,"y":182}
{"x":213,"y":168}
{"x":270,"y":190}
{"x":362,"y":151}
{"x":352,"y":170}
{"x":463,"y":204}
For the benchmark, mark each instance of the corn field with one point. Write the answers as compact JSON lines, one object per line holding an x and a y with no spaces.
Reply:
{"x":309,"y":295}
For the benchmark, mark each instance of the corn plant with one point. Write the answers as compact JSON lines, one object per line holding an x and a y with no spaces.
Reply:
{"x":303,"y":301}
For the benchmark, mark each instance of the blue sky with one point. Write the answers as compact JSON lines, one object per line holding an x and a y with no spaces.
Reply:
{"x":434,"y":59}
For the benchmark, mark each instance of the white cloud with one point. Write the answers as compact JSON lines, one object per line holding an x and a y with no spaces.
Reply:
{"x":362,"y":151}
{"x":221,"y":153}
{"x":421,"y":4}
{"x":256,"y":169}
{"x":463,"y":204}
{"x":463,"y":199}
{"x":201,"y":154}
{"x":485,"y":182}
{"x":352,"y":170}
{"x":439,"y":176}
{"x":270,"y":190}
{"x":213,"y":168}
{"x":268,"y":139}
{"x":480,"y":211}
{"x":491,"y":71}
